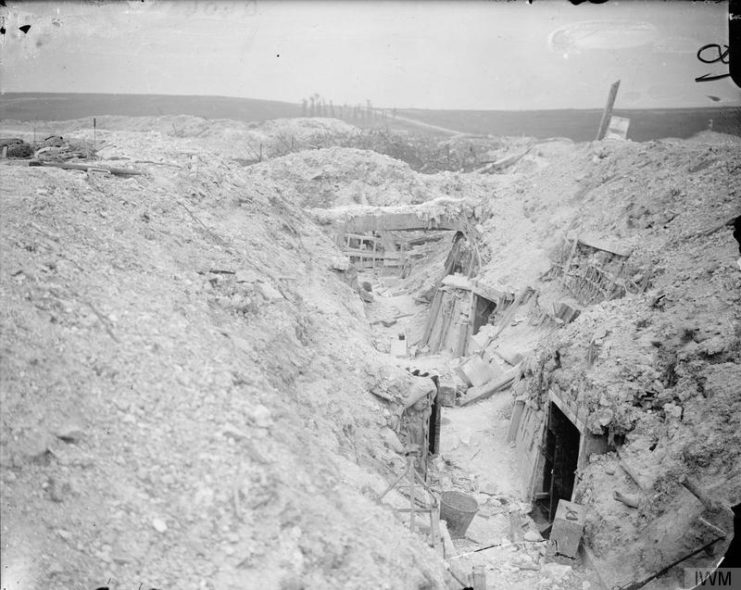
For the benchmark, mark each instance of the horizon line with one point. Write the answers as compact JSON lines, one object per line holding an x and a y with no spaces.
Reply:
{"x":385,"y":108}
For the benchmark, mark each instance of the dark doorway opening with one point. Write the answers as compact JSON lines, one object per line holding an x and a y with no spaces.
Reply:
{"x":433,"y":445}
{"x":483,"y":308}
{"x":561,"y":460}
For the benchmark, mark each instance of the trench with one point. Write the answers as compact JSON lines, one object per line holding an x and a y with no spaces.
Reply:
{"x":520,"y":464}
{"x":469,"y":449}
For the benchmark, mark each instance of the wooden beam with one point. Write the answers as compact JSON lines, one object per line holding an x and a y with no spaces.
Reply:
{"x":488,"y":389}
{"x":607,"y":113}
{"x":399,"y":222}
{"x":87,"y":167}
{"x":696,"y":490}
{"x":432,"y":318}
{"x":604,"y":246}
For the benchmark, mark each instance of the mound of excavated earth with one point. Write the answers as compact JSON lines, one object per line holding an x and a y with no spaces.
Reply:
{"x":185,"y":387}
{"x":656,"y":372}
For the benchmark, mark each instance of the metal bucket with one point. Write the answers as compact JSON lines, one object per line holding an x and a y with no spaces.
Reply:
{"x":458,"y":510}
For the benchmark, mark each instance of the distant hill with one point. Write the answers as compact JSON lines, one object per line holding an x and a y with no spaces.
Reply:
{"x":579,"y":125}
{"x":61,"y":107}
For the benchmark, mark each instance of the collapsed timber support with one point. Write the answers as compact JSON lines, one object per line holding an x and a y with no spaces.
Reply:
{"x":382,"y":240}
{"x":370,"y":222}
{"x":460,"y":308}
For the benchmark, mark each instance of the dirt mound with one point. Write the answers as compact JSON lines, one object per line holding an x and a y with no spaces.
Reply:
{"x":341,"y":177}
{"x":653,"y":369}
{"x":344,"y":176}
{"x":172,"y":349}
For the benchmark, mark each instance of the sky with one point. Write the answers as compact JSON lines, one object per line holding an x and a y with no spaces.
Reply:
{"x":406,"y":54}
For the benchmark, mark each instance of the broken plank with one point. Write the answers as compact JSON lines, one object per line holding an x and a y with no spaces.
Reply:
{"x":604,"y":245}
{"x":462,"y":339}
{"x":445,"y":319}
{"x":488,"y":389}
{"x":607,"y":113}
{"x":434,"y":310}
{"x":696,"y":490}
{"x":86,"y":167}
{"x":368,"y":222}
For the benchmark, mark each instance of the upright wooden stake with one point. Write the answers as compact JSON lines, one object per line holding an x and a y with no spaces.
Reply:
{"x":412,"y":495}
{"x":95,"y":125}
{"x":607,"y":113}
{"x":432,"y":318}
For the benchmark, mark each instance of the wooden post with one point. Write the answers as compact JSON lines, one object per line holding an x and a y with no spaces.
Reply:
{"x":412,"y":493}
{"x":447,"y":319}
{"x":437,"y":541}
{"x":432,"y":318}
{"x":607,"y":113}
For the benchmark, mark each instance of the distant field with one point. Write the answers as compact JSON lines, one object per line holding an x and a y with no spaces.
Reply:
{"x":582,"y":125}
{"x":579,"y":125}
